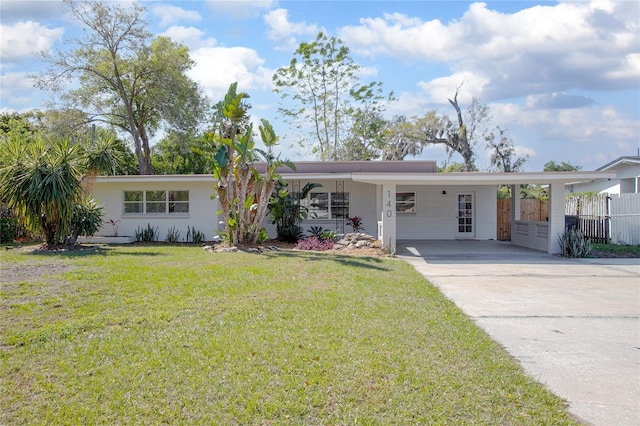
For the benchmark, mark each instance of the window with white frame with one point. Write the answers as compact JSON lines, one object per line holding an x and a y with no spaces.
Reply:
{"x":327,"y":205}
{"x":156,"y":202}
{"x":405,"y":202}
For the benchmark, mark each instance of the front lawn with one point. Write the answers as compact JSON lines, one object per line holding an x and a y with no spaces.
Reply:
{"x":176,"y":335}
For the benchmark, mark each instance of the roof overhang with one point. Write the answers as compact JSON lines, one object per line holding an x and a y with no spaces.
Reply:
{"x":397,"y":178}
{"x":618,"y":162}
{"x":155,"y":178}
{"x":476,"y":179}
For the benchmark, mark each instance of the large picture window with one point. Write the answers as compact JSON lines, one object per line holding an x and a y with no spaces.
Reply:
{"x":156,"y":202}
{"x":327,"y":205}
{"x":405,"y":202}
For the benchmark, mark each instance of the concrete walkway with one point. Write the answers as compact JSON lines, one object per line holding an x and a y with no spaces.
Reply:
{"x":574,"y":325}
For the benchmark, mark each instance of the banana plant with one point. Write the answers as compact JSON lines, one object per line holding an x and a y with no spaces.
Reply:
{"x":243,"y":193}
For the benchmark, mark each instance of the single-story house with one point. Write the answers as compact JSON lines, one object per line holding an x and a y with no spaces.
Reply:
{"x":626,"y":181}
{"x":397,"y":200}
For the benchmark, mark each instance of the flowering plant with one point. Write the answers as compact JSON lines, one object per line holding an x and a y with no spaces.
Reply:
{"x":356,"y":223}
{"x":114,"y":224}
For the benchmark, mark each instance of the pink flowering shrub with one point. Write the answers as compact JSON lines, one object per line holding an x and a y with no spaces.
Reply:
{"x":315,"y":243}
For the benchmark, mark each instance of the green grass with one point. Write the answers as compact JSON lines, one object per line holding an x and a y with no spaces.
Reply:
{"x":619,"y":250}
{"x":175,"y":335}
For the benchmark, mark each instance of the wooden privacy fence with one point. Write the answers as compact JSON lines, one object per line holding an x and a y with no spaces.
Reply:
{"x":530,"y":210}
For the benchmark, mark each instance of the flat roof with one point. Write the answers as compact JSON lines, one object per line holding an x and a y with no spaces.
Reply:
{"x":388,"y":172}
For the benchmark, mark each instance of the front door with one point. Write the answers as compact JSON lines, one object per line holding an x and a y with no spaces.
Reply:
{"x":465,"y":216}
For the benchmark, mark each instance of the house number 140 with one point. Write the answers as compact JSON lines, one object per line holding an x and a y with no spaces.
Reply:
{"x":389,"y":211}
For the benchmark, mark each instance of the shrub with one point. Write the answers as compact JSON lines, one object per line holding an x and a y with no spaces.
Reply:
{"x":328,"y":235}
{"x":7,"y":229}
{"x":195,"y":236}
{"x":315,"y":231}
{"x":573,"y":243}
{"x":86,"y":220}
{"x":315,"y":243}
{"x":287,"y":212}
{"x":173,"y":235}
{"x":147,"y":235}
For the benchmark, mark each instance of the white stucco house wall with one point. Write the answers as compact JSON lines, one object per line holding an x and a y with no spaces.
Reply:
{"x":626,"y":181}
{"x":397,"y":200}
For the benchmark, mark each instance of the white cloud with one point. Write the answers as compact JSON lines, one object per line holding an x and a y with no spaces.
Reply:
{"x":541,"y":49}
{"x":439,"y":90}
{"x":217,"y":67}
{"x":170,"y":15}
{"x":25,"y":38}
{"x":241,"y":9}
{"x":583,"y":136}
{"x":190,"y":37}
{"x":17,"y":88}
{"x":284,"y":32}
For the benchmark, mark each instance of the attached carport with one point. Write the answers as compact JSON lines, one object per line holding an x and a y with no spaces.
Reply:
{"x":538,"y":235}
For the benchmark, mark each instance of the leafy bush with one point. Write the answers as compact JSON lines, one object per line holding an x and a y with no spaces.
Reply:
{"x":173,"y":235}
{"x":262,"y":236}
{"x":328,"y":235}
{"x":86,"y":220}
{"x":315,"y":231}
{"x":573,"y":243}
{"x":195,"y":236}
{"x":147,"y":235}
{"x":322,"y":234}
{"x":287,"y":213}
{"x":315,"y":243}
{"x":7,"y":229}
{"x":355,"y":223}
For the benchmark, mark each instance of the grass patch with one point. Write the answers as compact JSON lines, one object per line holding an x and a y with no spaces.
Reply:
{"x":155,"y":334}
{"x":616,"y":250}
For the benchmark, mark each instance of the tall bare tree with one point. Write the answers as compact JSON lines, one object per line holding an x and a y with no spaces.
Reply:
{"x":460,"y":136}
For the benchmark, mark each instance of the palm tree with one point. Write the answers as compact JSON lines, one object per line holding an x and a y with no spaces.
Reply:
{"x":41,"y":180}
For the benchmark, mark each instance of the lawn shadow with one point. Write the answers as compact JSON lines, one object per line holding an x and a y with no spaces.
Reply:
{"x":311,"y":256}
{"x":92,"y":251}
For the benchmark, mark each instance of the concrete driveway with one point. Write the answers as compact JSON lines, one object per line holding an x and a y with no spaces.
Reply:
{"x":574,"y":325}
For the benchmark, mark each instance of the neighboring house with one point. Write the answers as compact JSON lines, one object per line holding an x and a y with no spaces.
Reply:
{"x":627,"y":180}
{"x":397,"y":200}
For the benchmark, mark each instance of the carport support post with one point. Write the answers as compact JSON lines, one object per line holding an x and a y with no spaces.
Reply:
{"x":388,"y":218}
{"x":515,"y":206}
{"x":556,"y":216}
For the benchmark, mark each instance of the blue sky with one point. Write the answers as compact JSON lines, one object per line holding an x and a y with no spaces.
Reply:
{"x":563,"y":77}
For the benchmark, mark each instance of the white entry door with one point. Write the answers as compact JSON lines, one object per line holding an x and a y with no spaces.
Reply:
{"x":465,"y":227}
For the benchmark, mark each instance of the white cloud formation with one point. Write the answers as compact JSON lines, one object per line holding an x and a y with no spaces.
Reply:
{"x":240,"y":9}
{"x":541,"y":49}
{"x":585,"y":136}
{"x":217,"y":67}
{"x":17,"y":88}
{"x":284,"y":32}
{"x":439,"y":90}
{"x":170,"y":15}
{"x":25,"y":38}
{"x":190,"y":37}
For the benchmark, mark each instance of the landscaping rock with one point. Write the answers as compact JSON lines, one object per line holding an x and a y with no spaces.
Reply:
{"x":356,"y":240}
